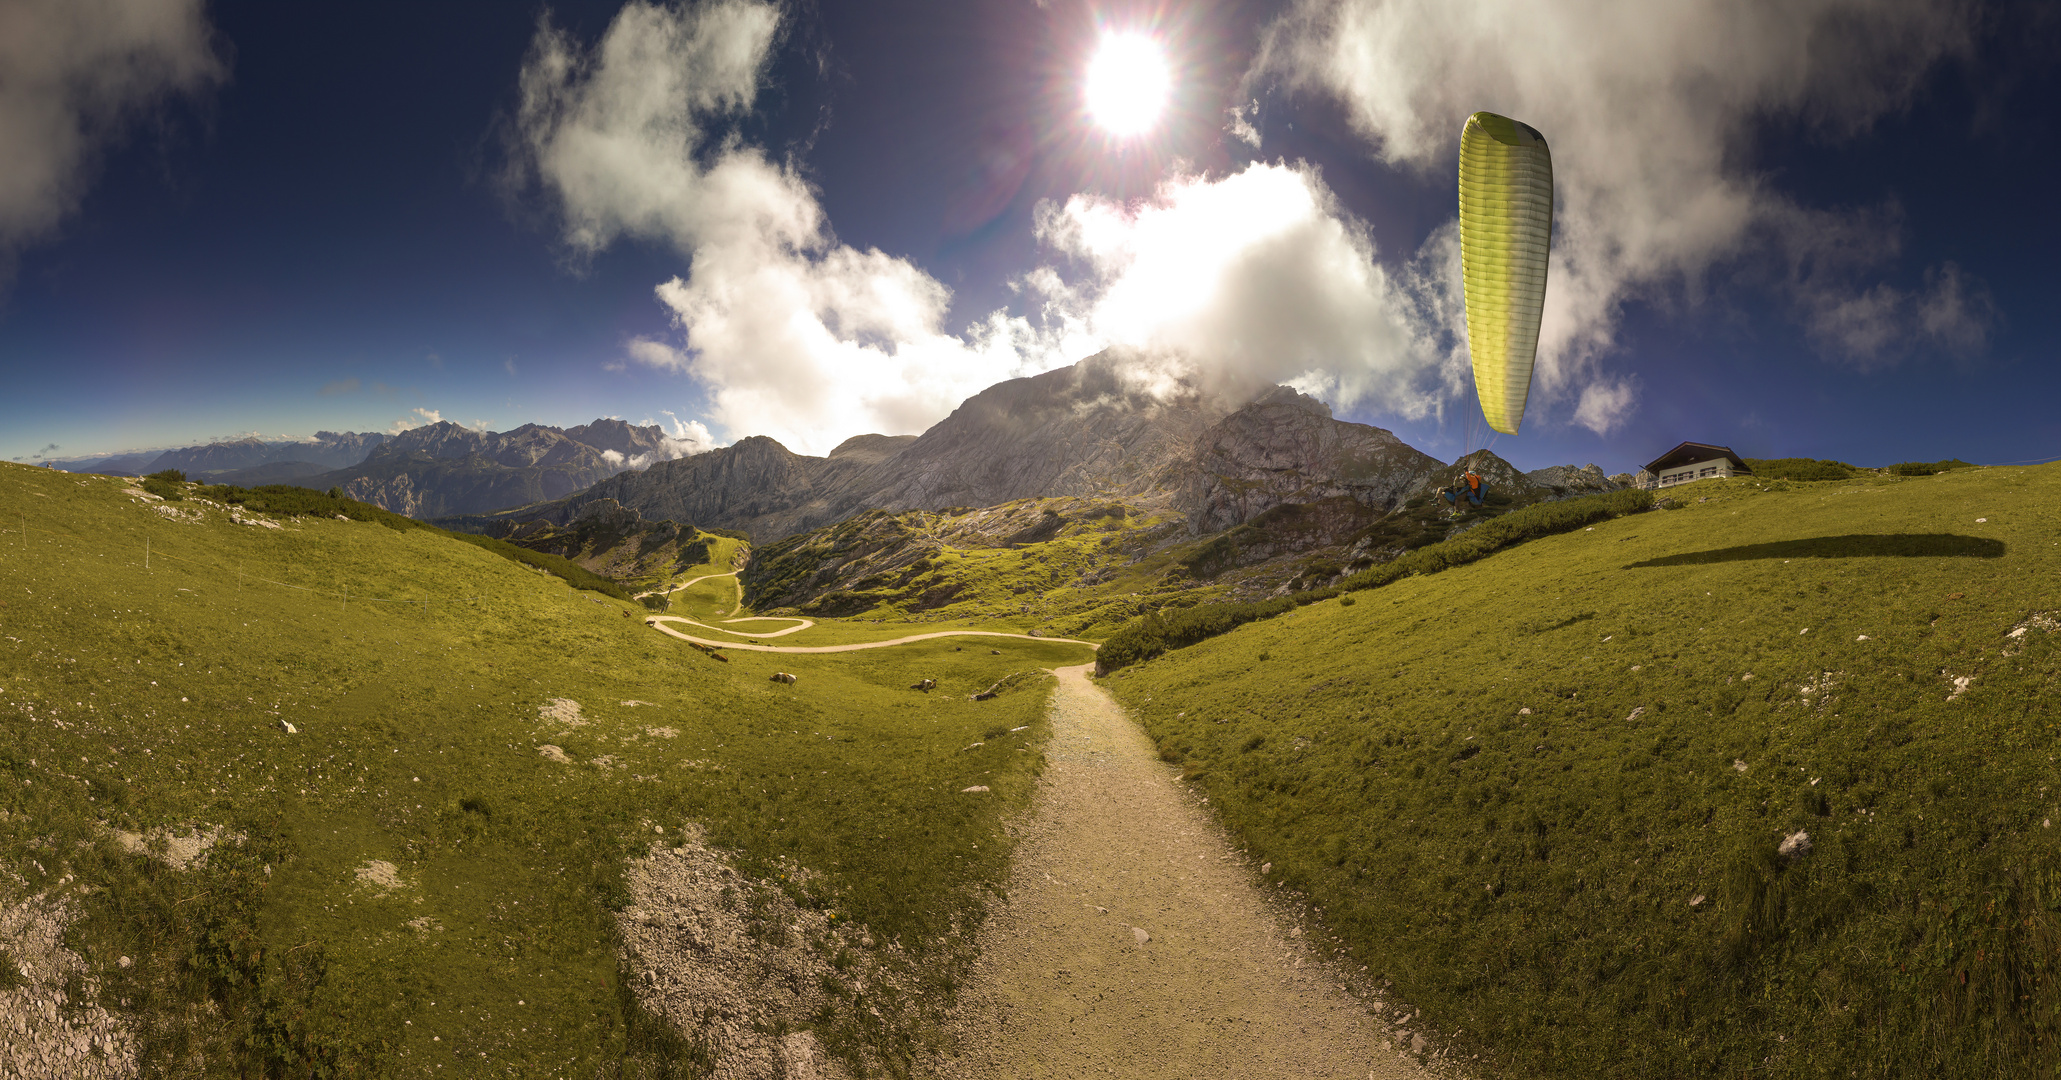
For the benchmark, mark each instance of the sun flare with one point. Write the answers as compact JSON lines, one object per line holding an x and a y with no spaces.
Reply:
{"x":1127,"y":84}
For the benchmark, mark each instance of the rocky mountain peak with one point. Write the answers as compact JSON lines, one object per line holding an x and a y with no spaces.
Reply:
{"x":872,"y":449}
{"x":442,"y":439}
{"x":1096,"y":427}
{"x":1286,"y":447}
{"x":609,"y":433}
{"x":1566,"y":481}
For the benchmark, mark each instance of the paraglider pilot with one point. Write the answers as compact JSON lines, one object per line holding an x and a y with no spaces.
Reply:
{"x":1472,"y":484}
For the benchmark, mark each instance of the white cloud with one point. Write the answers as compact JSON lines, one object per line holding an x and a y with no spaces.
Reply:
{"x":75,"y":72}
{"x":1650,"y":110}
{"x":1258,"y":277}
{"x":1605,"y":405}
{"x":658,"y":354}
{"x":1240,"y":126}
{"x":420,"y":418}
{"x":687,"y":439}
{"x":795,"y":335}
{"x":1949,"y":314}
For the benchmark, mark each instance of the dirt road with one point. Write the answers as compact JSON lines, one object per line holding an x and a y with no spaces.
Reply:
{"x":1137,"y":943}
{"x":691,"y":582}
{"x":657,"y":622}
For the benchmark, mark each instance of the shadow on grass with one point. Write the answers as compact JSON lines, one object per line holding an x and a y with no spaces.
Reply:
{"x":1853,"y":546}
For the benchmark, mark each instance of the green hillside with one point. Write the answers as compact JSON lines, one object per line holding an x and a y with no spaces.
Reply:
{"x":151,"y":655}
{"x":1543,"y":793}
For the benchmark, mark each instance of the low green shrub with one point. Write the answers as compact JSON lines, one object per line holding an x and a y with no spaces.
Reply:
{"x":1796,"y":468}
{"x":575,"y":575}
{"x":166,"y":484}
{"x":1927,"y":468}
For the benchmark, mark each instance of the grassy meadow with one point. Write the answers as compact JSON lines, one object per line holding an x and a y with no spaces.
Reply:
{"x":1543,"y":793}
{"x":1069,"y":567}
{"x":151,"y":654}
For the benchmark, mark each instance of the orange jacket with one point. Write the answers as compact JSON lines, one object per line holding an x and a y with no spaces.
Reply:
{"x":1473,"y":481}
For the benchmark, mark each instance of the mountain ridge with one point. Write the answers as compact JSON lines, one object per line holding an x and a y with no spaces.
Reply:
{"x":1091,"y":430}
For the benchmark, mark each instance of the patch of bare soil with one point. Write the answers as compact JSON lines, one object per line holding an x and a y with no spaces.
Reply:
{"x":731,"y":962}
{"x":179,"y":848}
{"x":1136,"y":941}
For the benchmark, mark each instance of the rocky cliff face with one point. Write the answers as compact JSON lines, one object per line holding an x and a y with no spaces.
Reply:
{"x":1080,"y":431}
{"x":1287,"y":448}
{"x":756,"y":485}
{"x":1566,"y":481}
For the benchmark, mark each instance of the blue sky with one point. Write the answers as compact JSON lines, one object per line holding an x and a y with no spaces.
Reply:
{"x":1795,"y":229}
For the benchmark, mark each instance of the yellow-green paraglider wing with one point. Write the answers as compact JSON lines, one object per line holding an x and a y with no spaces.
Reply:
{"x":1506,"y":231}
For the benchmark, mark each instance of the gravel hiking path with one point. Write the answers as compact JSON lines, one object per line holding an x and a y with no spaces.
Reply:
{"x":657,"y":622}
{"x":1137,"y":943}
{"x":804,"y":625}
{"x":689,"y":583}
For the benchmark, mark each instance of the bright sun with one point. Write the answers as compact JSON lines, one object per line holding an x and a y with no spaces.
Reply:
{"x":1127,"y":84}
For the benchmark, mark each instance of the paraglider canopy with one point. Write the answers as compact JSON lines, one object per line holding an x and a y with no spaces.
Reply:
{"x":1506,"y":234}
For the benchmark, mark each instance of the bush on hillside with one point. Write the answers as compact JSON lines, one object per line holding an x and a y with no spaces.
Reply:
{"x":1796,"y":468}
{"x":572,"y":573}
{"x":285,"y":500}
{"x":166,"y":484}
{"x":1927,"y":468}
{"x":1156,"y":632}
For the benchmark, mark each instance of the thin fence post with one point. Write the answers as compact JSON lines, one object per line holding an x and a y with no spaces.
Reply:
{"x":146,"y":553}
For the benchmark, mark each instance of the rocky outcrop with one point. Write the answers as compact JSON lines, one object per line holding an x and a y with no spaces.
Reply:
{"x":395,"y":493}
{"x":1287,"y":448}
{"x":1567,"y":482}
{"x":1092,"y":429}
{"x":755,"y":485}
{"x":420,"y":486}
{"x":1502,"y":477}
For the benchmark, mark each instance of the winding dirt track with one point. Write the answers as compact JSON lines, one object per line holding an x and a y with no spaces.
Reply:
{"x":657,"y":622}
{"x":691,"y":582}
{"x":1218,"y":984}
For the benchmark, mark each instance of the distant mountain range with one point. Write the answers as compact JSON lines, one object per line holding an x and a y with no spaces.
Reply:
{"x":444,"y":468}
{"x":441,"y":468}
{"x":284,"y":459}
{"x":1090,"y":430}
{"x":1082,"y":431}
